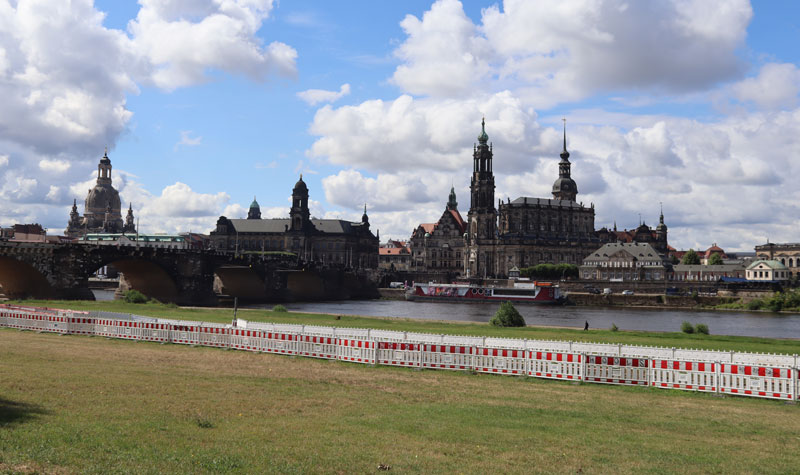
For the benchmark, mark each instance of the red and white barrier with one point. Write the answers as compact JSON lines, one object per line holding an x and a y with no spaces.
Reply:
{"x":685,"y":375}
{"x":247,"y":339}
{"x":555,"y":365}
{"x":185,"y":333}
{"x":318,"y":342}
{"x":395,"y":353}
{"x":79,"y":324}
{"x":154,"y":331}
{"x":456,"y":357}
{"x":616,"y":370}
{"x":213,"y":335}
{"x":758,"y":381}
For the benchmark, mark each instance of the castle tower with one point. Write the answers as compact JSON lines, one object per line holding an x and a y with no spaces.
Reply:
{"x":255,"y":211}
{"x":130,"y":224}
{"x":482,"y":215}
{"x":565,"y":187}
{"x":299,"y":213}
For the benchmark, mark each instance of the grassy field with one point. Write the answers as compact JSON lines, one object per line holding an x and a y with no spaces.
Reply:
{"x":92,"y":405}
{"x":219,"y":315}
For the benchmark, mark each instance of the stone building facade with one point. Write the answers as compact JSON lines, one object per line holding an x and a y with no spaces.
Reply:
{"x":787,"y":254}
{"x":394,"y":256}
{"x":622,"y":262}
{"x":439,"y":246}
{"x":526,"y":231}
{"x":102,"y":208}
{"x":330,"y":242}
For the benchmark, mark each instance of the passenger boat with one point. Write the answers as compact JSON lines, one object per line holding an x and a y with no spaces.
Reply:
{"x":521,"y":292}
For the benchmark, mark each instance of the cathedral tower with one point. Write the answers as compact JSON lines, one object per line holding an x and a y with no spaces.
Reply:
{"x":565,"y":187}
{"x":299,"y":213}
{"x":482,"y":215}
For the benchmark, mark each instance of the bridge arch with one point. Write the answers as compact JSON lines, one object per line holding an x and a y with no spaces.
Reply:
{"x":20,"y":279}
{"x":144,"y":275}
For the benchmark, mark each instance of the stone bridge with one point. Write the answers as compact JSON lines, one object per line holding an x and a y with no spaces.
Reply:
{"x":61,"y":271}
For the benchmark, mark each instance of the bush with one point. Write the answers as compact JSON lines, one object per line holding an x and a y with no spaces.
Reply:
{"x":614,"y":327}
{"x":687,"y":327}
{"x":754,"y":304}
{"x":279,"y":308}
{"x":701,"y":328}
{"x":134,"y":296}
{"x":507,"y":316}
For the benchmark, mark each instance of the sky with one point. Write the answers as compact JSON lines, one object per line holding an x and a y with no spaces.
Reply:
{"x":205,"y":104}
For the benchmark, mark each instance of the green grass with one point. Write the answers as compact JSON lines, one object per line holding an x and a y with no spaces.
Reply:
{"x":95,"y":405}
{"x":218,"y":315}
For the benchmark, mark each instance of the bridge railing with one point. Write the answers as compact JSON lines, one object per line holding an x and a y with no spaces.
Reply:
{"x":771,"y":376}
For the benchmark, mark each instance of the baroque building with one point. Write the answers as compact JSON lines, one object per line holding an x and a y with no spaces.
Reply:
{"x":787,"y":254}
{"x":331,"y":242}
{"x":102,"y":208}
{"x":439,"y":246}
{"x":526,"y":231}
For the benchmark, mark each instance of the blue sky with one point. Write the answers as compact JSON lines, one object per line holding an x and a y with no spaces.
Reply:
{"x":204,"y":104}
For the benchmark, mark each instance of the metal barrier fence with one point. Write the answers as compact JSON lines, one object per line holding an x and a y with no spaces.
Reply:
{"x":772,"y":376}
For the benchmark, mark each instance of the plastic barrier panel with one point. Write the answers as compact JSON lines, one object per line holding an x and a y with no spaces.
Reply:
{"x":245,"y":339}
{"x":185,"y":333}
{"x":280,"y":342}
{"x":126,"y":329}
{"x":457,"y":357}
{"x":499,"y":360}
{"x":356,"y":350}
{"x":548,"y":364}
{"x":154,"y":331}
{"x":213,"y":335}
{"x":758,"y":381}
{"x":80,"y":324}
{"x":396,"y":353}
{"x":616,"y":370}
{"x":317,"y":342}
{"x":686,"y":375}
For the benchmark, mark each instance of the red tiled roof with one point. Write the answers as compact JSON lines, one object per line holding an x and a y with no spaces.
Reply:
{"x":457,"y":216}
{"x":393,"y":251}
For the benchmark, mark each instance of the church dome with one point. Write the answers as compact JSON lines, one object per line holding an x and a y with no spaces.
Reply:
{"x":101,"y":197}
{"x":300,"y":185}
{"x":565,"y":185}
{"x":254,"y":204}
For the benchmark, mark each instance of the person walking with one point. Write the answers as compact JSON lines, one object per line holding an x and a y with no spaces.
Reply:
{"x":586,"y":325}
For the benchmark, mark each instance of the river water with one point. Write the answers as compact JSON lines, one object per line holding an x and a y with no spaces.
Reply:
{"x":770,"y":325}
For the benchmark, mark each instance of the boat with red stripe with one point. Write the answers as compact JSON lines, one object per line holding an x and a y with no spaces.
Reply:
{"x":521,"y":292}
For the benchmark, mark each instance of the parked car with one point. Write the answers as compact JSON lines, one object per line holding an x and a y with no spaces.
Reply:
{"x":627,"y":292}
{"x":593,"y":290}
{"x":396,"y":285}
{"x":607,"y":291}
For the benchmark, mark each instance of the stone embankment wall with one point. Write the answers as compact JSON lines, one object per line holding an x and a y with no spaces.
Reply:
{"x":665,"y":301}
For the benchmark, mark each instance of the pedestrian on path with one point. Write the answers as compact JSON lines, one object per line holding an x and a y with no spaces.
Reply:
{"x":586,"y":325}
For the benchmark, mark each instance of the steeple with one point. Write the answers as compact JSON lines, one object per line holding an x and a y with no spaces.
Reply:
{"x":483,"y":138}
{"x":104,"y":170}
{"x":451,"y":202}
{"x":130,"y":226}
{"x":299,"y":213}
{"x":364,"y":217}
{"x":565,"y":187}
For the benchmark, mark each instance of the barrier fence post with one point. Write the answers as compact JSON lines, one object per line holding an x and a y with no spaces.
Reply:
{"x":583,"y":366}
{"x":718,"y":375}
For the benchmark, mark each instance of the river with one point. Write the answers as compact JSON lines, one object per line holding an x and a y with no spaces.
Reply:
{"x":720,"y":322}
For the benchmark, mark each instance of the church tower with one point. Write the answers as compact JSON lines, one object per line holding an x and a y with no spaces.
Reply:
{"x":452,"y":204}
{"x":255,"y":210}
{"x":130,"y":225}
{"x":565,"y":187}
{"x":482,"y":215}
{"x":661,"y":234}
{"x":299,"y":213}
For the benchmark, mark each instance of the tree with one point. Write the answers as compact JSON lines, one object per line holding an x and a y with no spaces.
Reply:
{"x":715,"y":259}
{"x":690,"y":258}
{"x":507,"y":316}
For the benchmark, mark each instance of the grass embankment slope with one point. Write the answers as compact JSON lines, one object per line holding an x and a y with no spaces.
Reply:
{"x":89,"y":404}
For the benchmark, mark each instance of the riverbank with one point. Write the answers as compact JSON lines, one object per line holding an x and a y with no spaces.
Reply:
{"x":542,"y":332}
{"x":83,"y":404}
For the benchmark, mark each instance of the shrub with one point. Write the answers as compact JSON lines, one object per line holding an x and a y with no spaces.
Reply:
{"x":701,"y":328}
{"x":614,"y":327}
{"x":134,"y":296}
{"x":687,"y":327}
{"x":507,"y":316}
{"x":279,"y":308}
{"x":694,"y":294}
{"x":754,"y":304}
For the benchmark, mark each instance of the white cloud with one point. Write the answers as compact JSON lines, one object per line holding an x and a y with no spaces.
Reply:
{"x":552,"y":51}
{"x":187,"y":140}
{"x":54,"y":166}
{"x":317,"y":96}
{"x":3,"y":160}
{"x":182,"y":41}
{"x":775,"y":87}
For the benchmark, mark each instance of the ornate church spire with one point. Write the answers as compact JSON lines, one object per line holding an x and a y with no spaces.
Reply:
{"x":451,"y":202}
{"x":130,"y":225}
{"x":565,"y":187}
